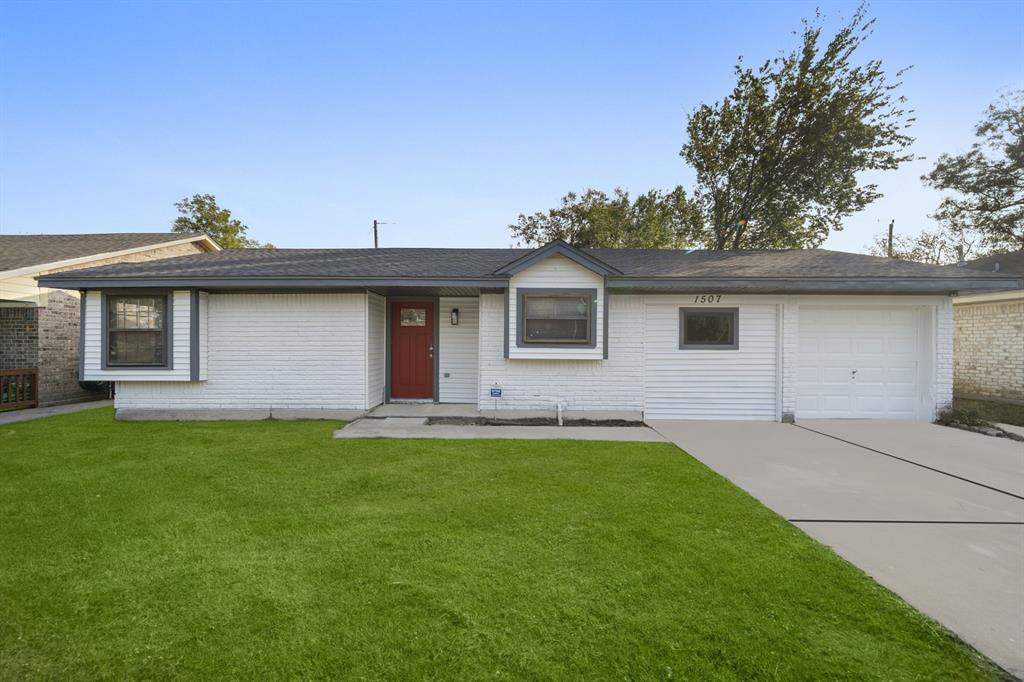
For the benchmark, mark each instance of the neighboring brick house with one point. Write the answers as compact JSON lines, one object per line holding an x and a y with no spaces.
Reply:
{"x":989,"y":337}
{"x":39,"y":327}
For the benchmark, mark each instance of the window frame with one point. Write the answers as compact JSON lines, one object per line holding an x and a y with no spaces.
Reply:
{"x":735,"y":345}
{"x":168,"y":363}
{"x":522,"y":294}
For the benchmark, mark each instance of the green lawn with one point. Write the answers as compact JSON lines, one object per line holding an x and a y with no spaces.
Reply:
{"x":268,"y":550}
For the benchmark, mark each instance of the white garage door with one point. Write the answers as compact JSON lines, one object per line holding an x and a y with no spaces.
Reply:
{"x":858,"y":363}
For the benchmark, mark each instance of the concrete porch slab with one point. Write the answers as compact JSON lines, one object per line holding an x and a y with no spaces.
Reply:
{"x":424,"y":410}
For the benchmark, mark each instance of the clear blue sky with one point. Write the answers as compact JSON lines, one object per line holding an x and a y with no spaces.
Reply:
{"x":447,"y":120}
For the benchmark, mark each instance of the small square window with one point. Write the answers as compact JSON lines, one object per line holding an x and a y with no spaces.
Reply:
{"x":709,"y":328}
{"x":413,"y":317}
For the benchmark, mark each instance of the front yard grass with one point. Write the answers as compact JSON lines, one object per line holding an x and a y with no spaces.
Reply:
{"x":269,"y":550}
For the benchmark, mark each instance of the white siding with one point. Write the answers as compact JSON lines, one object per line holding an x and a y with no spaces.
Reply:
{"x":789,"y":336}
{"x":458,"y":360}
{"x":272,"y":350}
{"x":204,"y":335}
{"x":180,"y":348}
{"x":710,"y":384}
{"x":376,"y":342}
{"x":556,"y":272}
{"x":612,"y":384}
{"x":20,"y":291}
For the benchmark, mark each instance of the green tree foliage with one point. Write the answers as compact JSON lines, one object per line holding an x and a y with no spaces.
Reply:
{"x":655,"y":220}
{"x":988,"y":180}
{"x":200,"y":213}
{"x":776,"y":160}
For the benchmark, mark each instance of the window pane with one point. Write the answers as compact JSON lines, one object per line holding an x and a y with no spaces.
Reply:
{"x":709,"y":329}
{"x":136,"y":312}
{"x":136,"y":348}
{"x":556,"y":330}
{"x":557,"y":307}
{"x":413,"y":317}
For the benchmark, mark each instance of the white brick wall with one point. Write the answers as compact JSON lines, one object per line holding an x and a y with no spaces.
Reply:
{"x":459,"y":348}
{"x":943,"y":355}
{"x":271,"y":351}
{"x":612,"y":384}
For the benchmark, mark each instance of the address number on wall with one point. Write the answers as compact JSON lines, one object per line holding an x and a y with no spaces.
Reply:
{"x":707,"y":298}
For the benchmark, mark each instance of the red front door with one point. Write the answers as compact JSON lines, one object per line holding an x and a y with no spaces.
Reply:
{"x":412,"y":350}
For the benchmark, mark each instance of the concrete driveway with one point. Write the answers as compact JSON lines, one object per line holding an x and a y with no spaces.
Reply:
{"x":933,"y":513}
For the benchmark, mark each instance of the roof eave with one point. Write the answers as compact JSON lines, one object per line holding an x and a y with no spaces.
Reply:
{"x":826,"y":285}
{"x":169,"y":282}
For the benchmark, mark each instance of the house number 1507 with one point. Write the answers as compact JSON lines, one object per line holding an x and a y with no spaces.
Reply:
{"x":707,"y":298}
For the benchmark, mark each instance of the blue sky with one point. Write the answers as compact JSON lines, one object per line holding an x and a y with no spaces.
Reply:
{"x":444,"y":119}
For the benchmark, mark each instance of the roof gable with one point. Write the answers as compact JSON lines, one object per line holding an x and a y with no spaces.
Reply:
{"x":558,"y":248}
{"x":28,"y":254}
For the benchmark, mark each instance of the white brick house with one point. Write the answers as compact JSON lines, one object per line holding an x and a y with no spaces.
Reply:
{"x":766,"y":335}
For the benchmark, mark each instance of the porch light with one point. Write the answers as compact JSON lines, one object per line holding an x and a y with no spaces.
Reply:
{"x":455,"y":317}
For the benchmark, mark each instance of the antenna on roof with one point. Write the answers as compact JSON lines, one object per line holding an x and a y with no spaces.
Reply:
{"x":375,"y":239}
{"x":888,"y":245}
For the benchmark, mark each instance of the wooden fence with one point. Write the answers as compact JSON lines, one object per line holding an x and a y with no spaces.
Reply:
{"x":18,"y":388}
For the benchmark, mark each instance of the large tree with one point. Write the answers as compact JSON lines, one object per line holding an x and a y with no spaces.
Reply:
{"x":988,"y":180}
{"x":655,"y":220}
{"x":777,"y":159}
{"x":200,"y":213}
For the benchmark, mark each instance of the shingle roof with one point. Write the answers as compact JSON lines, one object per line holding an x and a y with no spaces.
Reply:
{"x":1009,"y":263}
{"x":483,"y":263}
{"x":22,"y":251}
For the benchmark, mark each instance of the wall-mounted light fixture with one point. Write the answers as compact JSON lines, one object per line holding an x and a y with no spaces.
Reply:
{"x":455,"y":317}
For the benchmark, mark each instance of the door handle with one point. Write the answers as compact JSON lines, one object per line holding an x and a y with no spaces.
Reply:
{"x":853,"y":374}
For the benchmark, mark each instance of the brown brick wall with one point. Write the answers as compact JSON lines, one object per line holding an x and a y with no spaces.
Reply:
{"x":19,"y":338}
{"x":57,"y":351}
{"x":989,"y":349}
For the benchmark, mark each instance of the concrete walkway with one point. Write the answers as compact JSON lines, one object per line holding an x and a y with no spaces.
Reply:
{"x":416,"y":427}
{"x":39,"y":412}
{"x":928,"y":511}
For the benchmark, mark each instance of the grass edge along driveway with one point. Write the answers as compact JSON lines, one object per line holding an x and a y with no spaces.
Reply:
{"x":267,"y":549}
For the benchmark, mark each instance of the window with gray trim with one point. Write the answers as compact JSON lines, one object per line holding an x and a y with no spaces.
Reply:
{"x":709,"y":328}
{"x":136,"y":330}
{"x":556,"y":317}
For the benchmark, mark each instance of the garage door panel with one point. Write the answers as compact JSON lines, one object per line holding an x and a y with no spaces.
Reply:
{"x":882,"y":345}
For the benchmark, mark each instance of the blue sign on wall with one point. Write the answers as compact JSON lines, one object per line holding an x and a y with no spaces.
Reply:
{"x":495,"y":392}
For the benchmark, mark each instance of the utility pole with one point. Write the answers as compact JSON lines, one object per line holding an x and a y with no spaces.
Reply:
{"x":888,"y":247}
{"x":376,"y":241}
